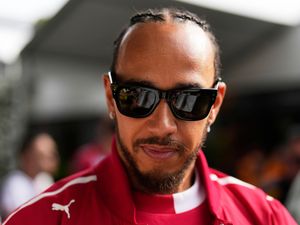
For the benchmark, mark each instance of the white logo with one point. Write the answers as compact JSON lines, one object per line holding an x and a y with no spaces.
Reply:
{"x":65,"y":208}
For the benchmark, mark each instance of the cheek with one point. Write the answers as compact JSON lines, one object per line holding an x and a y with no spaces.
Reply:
{"x":128,"y":129}
{"x":192,"y":133}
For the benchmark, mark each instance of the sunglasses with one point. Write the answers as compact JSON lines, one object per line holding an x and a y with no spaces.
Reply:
{"x":139,"y":101}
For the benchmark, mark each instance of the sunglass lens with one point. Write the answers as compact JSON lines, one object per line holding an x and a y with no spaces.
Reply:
{"x":192,"y":105}
{"x":136,"y":101}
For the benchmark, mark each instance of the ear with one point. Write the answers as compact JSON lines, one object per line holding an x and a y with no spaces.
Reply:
{"x":217,"y":105}
{"x":108,"y":94}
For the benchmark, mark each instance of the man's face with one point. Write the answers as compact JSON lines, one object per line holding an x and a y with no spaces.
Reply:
{"x":160,"y":150}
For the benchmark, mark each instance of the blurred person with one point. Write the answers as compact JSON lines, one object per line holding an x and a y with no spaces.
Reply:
{"x":293,"y":198}
{"x":92,"y":153}
{"x":293,"y":159}
{"x":248,"y":167}
{"x":164,"y":93}
{"x":273,"y":173}
{"x":38,"y":162}
{"x":282,"y":167}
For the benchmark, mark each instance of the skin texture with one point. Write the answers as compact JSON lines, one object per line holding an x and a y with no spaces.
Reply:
{"x":161,"y":148}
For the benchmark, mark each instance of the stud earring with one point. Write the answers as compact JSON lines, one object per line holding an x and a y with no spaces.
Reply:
{"x":111,"y":115}
{"x":208,"y":129}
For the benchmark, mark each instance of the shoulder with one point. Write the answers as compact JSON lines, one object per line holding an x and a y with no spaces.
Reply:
{"x":16,"y":176}
{"x":82,"y":179}
{"x":228,"y":184}
{"x":239,"y":193}
{"x":244,"y":198}
{"x":10,"y":188}
{"x":64,"y":192}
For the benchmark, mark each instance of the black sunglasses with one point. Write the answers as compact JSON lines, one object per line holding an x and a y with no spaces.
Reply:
{"x":186,"y":103}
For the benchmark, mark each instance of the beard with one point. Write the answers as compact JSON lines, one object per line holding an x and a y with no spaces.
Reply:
{"x":156,"y":181}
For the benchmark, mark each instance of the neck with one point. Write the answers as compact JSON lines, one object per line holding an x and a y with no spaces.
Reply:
{"x":188,"y":179}
{"x":30,"y":173}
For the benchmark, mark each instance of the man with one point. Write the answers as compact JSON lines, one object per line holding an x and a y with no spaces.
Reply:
{"x":164,"y":93}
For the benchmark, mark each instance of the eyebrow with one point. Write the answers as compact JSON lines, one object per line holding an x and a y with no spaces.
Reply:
{"x":151,"y":84}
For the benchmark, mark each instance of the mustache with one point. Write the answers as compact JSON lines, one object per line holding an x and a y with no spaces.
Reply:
{"x":165,"y":142}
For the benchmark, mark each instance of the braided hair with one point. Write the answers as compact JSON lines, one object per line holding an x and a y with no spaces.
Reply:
{"x":162,"y":15}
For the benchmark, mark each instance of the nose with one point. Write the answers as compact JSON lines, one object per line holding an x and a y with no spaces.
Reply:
{"x":162,"y":121}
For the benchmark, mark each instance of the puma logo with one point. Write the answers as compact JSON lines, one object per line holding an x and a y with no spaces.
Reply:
{"x":65,"y":208}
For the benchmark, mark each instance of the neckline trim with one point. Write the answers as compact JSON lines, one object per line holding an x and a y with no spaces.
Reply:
{"x":173,"y":203}
{"x":190,"y":198}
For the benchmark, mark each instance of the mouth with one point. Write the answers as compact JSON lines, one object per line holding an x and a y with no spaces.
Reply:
{"x":158,"y":152}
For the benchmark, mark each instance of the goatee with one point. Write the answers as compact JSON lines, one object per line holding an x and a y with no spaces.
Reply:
{"x":155,"y":181}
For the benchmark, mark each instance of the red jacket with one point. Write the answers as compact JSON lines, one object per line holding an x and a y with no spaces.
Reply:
{"x":102,"y":196}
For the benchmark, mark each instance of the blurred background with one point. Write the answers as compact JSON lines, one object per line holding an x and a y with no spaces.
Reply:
{"x":53,"y":53}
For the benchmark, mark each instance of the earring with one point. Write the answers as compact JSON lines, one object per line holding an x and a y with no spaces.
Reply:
{"x":208,"y":129}
{"x":111,"y":115}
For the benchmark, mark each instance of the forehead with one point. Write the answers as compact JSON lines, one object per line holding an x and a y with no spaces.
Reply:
{"x":166,"y":53}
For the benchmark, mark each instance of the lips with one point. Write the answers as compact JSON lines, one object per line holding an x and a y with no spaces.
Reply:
{"x":158,"y":152}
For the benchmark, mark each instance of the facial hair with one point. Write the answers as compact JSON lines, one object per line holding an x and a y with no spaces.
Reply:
{"x":155,"y":181}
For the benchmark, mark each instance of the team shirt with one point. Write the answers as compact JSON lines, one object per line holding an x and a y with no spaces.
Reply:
{"x":102,"y":196}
